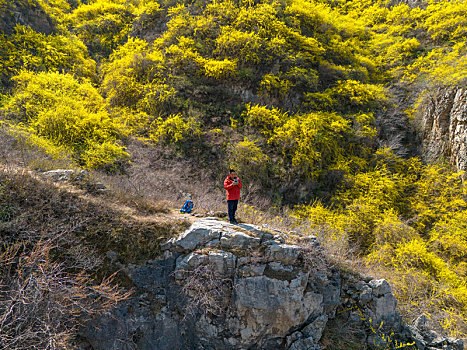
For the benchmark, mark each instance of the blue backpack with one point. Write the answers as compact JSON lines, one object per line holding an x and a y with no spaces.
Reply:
{"x":187,"y":207}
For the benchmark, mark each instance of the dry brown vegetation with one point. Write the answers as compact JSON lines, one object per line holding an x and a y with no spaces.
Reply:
{"x":43,"y":302}
{"x":54,"y":274}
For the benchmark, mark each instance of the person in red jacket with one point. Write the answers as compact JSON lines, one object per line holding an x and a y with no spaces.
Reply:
{"x":232,"y":184}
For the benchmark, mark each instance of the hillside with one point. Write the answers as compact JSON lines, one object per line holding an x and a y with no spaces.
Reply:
{"x":83,"y":269}
{"x":344,"y":119}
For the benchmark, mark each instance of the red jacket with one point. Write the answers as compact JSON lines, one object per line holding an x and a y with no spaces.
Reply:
{"x":233,"y":191}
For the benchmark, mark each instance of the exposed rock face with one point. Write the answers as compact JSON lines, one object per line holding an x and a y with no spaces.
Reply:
{"x":271,"y":291}
{"x":444,"y":127}
{"x":27,"y":13}
{"x":80,"y":178}
{"x":261,"y":294}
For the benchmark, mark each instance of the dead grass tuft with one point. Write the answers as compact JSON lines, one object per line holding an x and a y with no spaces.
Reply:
{"x":207,"y":289}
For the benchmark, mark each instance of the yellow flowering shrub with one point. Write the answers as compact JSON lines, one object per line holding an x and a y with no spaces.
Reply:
{"x":68,"y":113}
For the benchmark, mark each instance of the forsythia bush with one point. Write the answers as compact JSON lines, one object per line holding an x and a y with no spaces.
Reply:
{"x":249,"y":160}
{"x":28,"y":49}
{"x":102,"y":25}
{"x":174,"y":130}
{"x":312,"y":141}
{"x":409,"y":219}
{"x":264,"y":119}
{"x":69,"y":113}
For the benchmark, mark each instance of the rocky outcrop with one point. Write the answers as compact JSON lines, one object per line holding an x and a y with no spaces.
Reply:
{"x":80,"y":178}
{"x":220,"y":286}
{"x":443,"y":119}
{"x":27,"y":13}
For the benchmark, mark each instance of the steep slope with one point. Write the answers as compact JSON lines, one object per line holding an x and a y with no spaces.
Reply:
{"x":54,"y":271}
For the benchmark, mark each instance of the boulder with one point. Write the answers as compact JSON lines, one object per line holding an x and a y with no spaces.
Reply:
{"x":200,"y":233}
{"x":284,"y":253}
{"x":269,"y":307}
{"x":238,"y":240}
{"x":58,"y":175}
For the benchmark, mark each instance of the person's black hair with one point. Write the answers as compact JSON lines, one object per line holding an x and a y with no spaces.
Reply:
{"x":231,"y":171}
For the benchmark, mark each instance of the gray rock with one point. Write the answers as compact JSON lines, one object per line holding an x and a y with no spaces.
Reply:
{"x":416,"y":337}
{"x":266,"y":299}
{"x":270,"y":242}
{"x":255,"y":229}
{"x":384,"y":309}
{"x":420,"y":322}
{"x":213,"y":243}
{"x":58,"y":175}
{"x":220,"y":261}
{"x":278,"y":238}
{"x":305,"y":344}
{"x":280,"y":271}
{"x":292,"y":338}
{"x":251,"y":270}
{"x":264,"y":236}
{"x":285,"y":253}
{"x":238,"y":240}
{"x":307,"y":239}
{"x":315,"y":329}
{"x":200,"y":233}
{"x":361,"y":285}
{"x":366,"y":295}
{"x":380,"y":287}
{"x":444,"y":128}
{"x":190,"y":262}
{"x":223,"y":262}
{"x":269,"y":307}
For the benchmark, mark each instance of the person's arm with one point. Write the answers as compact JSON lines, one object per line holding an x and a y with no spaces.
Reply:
{"x":239,"y":183}
{"x":228,"y":184}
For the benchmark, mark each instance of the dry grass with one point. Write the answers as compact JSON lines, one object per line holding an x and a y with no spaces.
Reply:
{"x":43,"y":207}
{"x":207,"y":289}
{"x":18,"y":151}
{"x":340,"y":335}
{"x":160,"y":174}
{"x":54,"y":237}
{"x":49,"y":283}
{"x":42,"y":302}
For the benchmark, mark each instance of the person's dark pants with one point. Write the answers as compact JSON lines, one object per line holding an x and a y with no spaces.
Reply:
{"x":232,"y":205}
